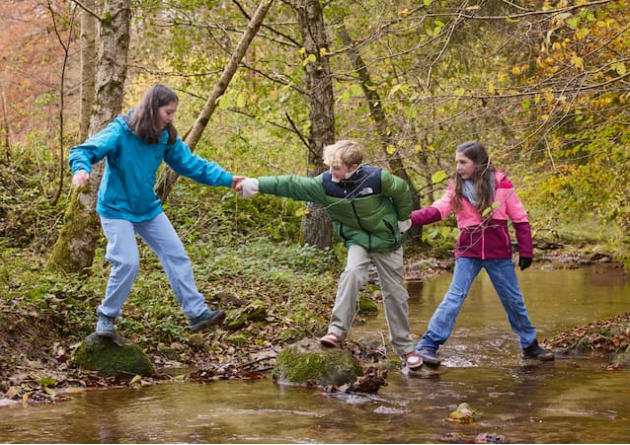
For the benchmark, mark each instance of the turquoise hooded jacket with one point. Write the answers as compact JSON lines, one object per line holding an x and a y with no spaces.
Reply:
{"x":127,"y":188}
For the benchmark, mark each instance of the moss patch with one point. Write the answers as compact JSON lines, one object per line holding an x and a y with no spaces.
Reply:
{"x":112,"y":356}
{"x":331,"y":368}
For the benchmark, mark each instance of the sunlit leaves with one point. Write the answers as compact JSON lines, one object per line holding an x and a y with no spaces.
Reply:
{"x":438,"y":176}
{"x":577,"y":61}
{"x":619,"y":67}
{"x":309,"y":59}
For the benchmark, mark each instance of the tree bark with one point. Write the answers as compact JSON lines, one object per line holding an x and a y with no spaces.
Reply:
{"x":88,"y":67}
{"x":316,"y":225}
{"x":168,"y":177}
{"x":75,"y":247}
{"x":395,"y":162}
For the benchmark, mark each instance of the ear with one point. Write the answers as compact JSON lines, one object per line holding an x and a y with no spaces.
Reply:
{"x":353,"y":167}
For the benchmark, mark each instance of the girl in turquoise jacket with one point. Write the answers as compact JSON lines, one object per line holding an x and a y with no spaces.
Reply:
{"x":134,"y":146}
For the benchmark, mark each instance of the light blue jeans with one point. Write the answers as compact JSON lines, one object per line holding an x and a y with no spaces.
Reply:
{"x":503,"y":277}
{"x":122,"y":253}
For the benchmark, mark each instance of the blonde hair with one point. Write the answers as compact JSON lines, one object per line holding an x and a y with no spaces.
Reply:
{"x":345,"y":152}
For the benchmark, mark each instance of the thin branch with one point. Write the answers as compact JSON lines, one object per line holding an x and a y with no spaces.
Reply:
{"x":86,"y":9}
{"x":66,"y":50}
{"x":299,"y":133}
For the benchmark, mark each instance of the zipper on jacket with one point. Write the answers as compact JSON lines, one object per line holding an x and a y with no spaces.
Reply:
{"x":354,"y":210}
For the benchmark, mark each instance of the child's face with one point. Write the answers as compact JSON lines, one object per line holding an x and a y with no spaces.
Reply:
{"x":341,"y":172}
{"x":465,"y":167}
{"x":166,"y":114}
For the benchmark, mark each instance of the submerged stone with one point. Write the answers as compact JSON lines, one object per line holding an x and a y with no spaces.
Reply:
{"x":463,"y":414}
{"x":111,"y":356}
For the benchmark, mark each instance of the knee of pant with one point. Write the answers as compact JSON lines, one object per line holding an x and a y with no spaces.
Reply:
{"x":129,"y":265}
{"x":356,"y":272}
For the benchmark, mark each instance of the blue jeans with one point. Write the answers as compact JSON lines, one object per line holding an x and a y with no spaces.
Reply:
{"x":122,"y":253}
{"x":503,"y":279}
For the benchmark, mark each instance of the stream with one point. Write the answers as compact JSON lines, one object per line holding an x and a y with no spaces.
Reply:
{"x":571,"y":400}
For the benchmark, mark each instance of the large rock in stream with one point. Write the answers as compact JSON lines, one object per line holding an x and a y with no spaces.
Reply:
{"x":112,"y":356}
{"x":305,"y":363}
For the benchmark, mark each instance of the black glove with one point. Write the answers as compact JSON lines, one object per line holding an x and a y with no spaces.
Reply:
{"x":524,"y":263}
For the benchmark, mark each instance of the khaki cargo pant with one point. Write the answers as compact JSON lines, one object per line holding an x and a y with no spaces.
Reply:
{"x":389,"y":266}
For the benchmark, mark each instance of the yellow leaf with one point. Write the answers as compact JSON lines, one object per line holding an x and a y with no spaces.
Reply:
{"x":135,"y":379}
{"x":581,"y":33}
{"x":323,"y":51}
{"x":460,"y":92}
{"x":302,"y":212}
{"x":240,"y":100}
{"x":620,"y":67}
{"x":577,"y":62}
{"x":491,"y":88}
{"x":417,"y":147}
{"x":516,"y":70}
{"x":391,"y":149}
{"x":549,"y":96}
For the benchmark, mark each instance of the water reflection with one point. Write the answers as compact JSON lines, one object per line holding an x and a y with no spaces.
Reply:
{"x":574,"y":400}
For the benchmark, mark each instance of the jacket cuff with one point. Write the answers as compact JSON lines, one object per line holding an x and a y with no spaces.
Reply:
{"x":426,"y":215}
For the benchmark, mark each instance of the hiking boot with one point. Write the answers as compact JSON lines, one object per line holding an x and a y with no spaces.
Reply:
{"x":205,"y":320}
{"x":535,"y":352}
{"x":429,"y":356}
{"x":105,"y":326}
{"x":330,"y":340}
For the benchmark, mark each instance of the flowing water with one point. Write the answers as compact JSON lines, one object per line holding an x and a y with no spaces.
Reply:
{"x":571,"y":400}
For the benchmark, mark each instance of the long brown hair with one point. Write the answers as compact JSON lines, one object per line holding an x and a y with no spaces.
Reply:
{"x":145,"y":119}
{"x":482,"y":177}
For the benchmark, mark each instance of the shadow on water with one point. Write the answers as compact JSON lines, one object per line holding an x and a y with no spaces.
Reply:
{"x":573,"y":400}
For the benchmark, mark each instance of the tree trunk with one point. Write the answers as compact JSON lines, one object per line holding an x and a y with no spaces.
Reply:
{"x":378,"y":115}
{"x":88,"y":67}
{"x":168,"y":177}
{"x":75,"y":247}
{"x":316,"y":225}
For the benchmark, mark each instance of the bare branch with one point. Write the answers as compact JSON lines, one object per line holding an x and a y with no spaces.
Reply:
{"x":86,"y":9}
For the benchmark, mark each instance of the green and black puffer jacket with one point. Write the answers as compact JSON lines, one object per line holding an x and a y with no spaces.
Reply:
{"x":365,"y":209}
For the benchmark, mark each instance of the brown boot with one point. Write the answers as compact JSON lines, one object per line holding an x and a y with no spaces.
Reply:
{"x":535,"y":352}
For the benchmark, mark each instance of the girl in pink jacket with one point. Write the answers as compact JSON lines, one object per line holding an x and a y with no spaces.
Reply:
{"x":483,"y":199}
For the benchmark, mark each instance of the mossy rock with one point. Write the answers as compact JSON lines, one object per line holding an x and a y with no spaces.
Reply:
{"x":254,"y":311}
{"x":338,"y":367}
{"x":111,"y":356}
{"x":622,"y":360}
{"x":367,"y":306}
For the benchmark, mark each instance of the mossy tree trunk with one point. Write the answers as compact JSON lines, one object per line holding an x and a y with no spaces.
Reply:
{"x":75,"y":247}
{"x":89,"y":56}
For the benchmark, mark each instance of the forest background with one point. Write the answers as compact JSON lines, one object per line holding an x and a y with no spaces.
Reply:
{"x":543,"y":84}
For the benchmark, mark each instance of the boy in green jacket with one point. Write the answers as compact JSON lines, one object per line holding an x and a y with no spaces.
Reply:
{"x":369,"y":208}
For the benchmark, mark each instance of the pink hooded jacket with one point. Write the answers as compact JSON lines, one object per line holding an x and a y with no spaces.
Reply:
{"x":484,"y":238}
